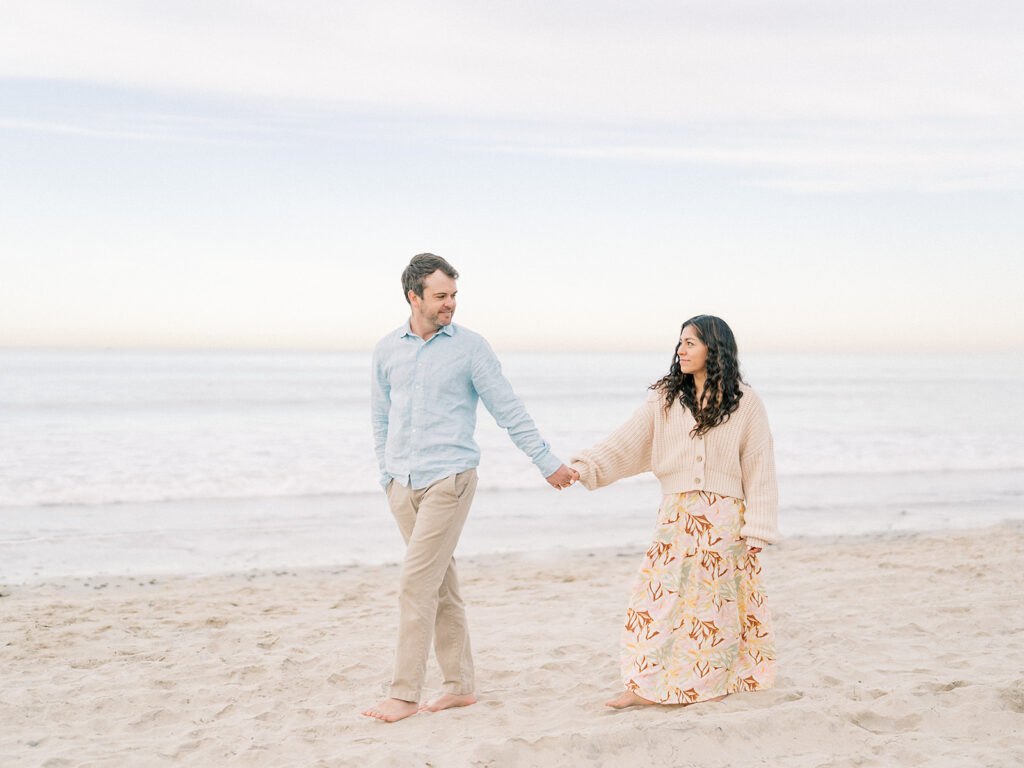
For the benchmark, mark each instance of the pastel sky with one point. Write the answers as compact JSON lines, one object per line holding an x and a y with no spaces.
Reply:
{"x":825,"y":175}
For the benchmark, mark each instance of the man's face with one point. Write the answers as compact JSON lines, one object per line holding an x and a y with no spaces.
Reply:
{"x":437,"y":307}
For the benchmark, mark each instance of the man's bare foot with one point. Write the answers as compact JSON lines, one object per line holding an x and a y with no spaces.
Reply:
{"x":391,"y":710}
{"x":447,"y":701}
{"x":627,"y":699}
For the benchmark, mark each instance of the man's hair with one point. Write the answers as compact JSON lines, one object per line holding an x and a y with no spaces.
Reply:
{"x":419,"y":268}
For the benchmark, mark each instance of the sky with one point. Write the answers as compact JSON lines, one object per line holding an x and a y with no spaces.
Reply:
{"x":828,"y":176}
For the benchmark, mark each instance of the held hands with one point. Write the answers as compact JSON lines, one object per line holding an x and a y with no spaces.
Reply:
{"x":563,"y":477}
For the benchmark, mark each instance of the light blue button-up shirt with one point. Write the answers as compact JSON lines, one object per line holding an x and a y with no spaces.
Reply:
{"x":423,"y":402}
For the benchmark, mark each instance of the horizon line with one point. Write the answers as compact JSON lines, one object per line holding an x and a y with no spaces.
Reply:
{"x":513,"y":348}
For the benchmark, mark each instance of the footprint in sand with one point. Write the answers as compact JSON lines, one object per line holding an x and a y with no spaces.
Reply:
{"x":941,"y":687}
{"x":875,"y":723}
{"x":1012,"y":697}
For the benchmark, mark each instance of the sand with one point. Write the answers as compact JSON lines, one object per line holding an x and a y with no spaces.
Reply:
{"x":894,"y":651}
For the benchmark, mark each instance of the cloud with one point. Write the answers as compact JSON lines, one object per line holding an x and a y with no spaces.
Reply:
{"x":798,"y":94}
{"x":809,"y":166}
{"x":168,"y":129}
{"x":564,"y":61}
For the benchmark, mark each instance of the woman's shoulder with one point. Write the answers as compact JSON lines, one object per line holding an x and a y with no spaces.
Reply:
{"x":748,"y":391}
{"x":654,"y":406}
{"x":750,"y":402}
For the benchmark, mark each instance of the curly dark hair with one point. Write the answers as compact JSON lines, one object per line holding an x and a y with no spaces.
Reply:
{"x":721,"y":396}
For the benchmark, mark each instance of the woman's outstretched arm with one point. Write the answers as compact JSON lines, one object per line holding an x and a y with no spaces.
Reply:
{"x":624,"y":453}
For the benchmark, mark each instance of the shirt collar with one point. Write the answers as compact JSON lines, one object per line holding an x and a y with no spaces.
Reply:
{"x":448,"y":330}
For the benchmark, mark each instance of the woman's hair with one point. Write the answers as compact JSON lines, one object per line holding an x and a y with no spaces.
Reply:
{"x":722,"y":393}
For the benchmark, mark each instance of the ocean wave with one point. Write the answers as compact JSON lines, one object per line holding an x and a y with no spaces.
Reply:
{"x":491,"y":481}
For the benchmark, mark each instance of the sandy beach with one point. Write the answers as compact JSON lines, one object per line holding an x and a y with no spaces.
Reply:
{"x":902,"y":650}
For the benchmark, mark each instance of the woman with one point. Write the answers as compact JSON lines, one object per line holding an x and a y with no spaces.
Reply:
{"x":697,"y":626}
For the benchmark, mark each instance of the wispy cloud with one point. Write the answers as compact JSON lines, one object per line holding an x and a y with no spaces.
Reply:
{"x":652,"y":61}
{"x":171,"y":130}
{"x":675,"y":76}
{"x":817,"y":167}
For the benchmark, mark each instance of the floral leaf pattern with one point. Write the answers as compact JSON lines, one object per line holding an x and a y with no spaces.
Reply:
{"x":698,"y":624}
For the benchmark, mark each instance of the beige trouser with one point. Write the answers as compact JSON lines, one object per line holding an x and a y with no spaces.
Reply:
{"x":431,"y":521}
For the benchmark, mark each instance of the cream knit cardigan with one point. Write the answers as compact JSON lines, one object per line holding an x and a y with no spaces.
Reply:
{"x":736,"y":458}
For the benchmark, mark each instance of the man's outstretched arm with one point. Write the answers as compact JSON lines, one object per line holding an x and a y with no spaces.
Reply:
{"x":510,"y":414}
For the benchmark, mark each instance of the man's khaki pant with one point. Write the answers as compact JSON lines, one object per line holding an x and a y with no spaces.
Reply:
{"x":431,"y":521}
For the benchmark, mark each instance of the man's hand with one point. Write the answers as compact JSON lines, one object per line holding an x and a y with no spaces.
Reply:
{"x":563,"y":477}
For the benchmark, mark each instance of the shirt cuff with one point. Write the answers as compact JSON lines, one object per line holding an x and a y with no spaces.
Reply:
{"x":548,"y":464}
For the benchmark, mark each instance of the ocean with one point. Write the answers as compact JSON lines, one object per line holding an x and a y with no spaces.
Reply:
{"x":151,"y":462}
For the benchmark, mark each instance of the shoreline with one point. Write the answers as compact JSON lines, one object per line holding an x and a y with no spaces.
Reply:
{"x":894,"y":650}
{"x":99,"y":581}
{"x":242,"y":535}
{"x":74,"y":583}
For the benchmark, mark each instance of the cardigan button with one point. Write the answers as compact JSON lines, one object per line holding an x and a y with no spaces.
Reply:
{"x":697,"y":480}
{"x":700,"y":458}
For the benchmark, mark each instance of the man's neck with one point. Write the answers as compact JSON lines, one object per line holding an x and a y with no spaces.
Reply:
{"x":424,"y":332}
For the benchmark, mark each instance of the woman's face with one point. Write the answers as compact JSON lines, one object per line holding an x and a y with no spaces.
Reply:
{"x":692,"y":352}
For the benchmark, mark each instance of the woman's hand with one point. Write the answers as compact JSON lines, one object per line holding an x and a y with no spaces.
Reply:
{"x":563,"y":477}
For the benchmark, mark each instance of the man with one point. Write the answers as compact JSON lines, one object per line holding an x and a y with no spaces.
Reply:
{"x":427,"y":378}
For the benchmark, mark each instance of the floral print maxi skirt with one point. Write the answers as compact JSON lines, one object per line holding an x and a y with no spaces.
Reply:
{"x":698,"y":624}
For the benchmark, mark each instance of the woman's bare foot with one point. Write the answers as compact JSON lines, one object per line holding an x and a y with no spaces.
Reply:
{"x":392,"y":710}
{"x":630,"y":699}
{"x":447,"y":701}
{"x":627,"y":699}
